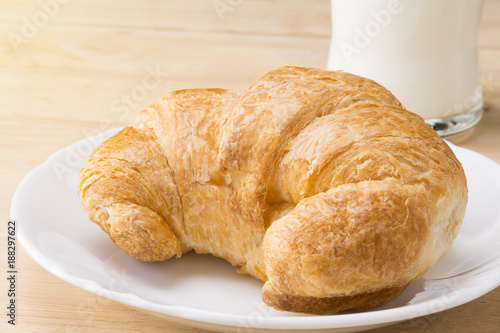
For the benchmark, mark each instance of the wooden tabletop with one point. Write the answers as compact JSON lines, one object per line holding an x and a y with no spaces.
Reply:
{"x":70,"y":69}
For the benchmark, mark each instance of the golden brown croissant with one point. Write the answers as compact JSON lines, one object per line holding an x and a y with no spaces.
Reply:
{"x":319,"y":183}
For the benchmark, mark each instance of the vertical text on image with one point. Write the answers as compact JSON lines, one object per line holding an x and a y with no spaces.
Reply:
{"x":11,"y":272}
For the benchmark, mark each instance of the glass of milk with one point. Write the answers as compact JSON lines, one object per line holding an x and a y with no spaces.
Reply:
{"x":424,"y":51}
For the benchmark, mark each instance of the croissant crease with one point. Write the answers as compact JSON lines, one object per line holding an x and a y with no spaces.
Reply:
{"x":319,"y":183}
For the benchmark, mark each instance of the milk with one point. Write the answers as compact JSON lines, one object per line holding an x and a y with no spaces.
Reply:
{"x":424,"y":51}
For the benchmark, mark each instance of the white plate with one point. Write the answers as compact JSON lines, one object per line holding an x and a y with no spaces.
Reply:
{"x":206,"y":292}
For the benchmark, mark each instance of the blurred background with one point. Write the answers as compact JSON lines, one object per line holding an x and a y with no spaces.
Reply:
{"x":75,"y":68}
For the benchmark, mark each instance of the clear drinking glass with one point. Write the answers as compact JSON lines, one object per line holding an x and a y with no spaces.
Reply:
{"x":424,"y":51}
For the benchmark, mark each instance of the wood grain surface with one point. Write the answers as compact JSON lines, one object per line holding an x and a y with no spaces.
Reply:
{"x":74,"y":68}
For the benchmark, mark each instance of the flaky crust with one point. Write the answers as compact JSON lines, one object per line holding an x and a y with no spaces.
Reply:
{"x":319,"y":183}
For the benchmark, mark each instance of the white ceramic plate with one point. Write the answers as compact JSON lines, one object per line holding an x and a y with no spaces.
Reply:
{"x":206,"y":292}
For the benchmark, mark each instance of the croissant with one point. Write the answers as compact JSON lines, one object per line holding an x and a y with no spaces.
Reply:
{"x":319,"y":183}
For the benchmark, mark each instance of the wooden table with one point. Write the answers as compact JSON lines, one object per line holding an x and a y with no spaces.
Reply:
{"x":70,"y":69}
